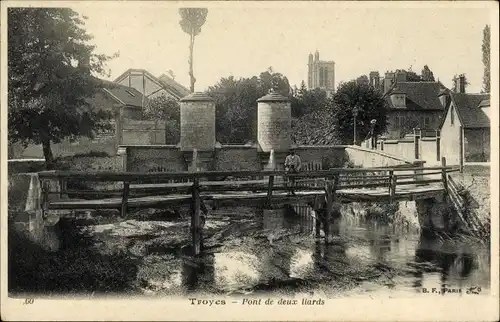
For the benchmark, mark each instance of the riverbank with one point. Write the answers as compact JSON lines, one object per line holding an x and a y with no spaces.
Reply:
{"x":247,"y":251}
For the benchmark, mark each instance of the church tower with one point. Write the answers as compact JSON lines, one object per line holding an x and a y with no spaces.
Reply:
{"x":321,"y":74}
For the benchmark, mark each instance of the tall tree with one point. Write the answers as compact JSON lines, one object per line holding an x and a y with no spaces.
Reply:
{"x":370,"y":105}
{"x":427,"y":74}
{"x":192,"y":19}
{"x":50,"y":82}
{"x":486,"y":58}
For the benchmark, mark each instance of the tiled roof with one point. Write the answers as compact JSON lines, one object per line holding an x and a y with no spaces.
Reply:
{"x":469,"y":110}
{"x":419,"y":95}
{"x":171,"y":84}
{"x":126,"y":95}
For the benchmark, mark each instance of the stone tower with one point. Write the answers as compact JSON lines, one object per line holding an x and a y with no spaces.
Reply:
{"x":274,"y":123}
{"x":321,"y":74}
{"x":197,"y":122}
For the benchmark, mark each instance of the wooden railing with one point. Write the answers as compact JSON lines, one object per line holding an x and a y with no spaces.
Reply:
{"x":330,"y":182}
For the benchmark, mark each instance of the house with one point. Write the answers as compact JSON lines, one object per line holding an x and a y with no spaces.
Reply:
{"x":465,"y":129}
{"x":126,"y":105}
{"x":412,"y":104}
{"x":151,"y":86}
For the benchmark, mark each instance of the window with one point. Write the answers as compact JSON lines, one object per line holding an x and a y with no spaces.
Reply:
{"x":452,"y":116}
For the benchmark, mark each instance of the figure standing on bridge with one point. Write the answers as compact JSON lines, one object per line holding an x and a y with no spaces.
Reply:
{"x":292,"y":165}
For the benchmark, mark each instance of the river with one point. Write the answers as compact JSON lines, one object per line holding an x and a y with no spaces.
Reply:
{"x":251,"y":252}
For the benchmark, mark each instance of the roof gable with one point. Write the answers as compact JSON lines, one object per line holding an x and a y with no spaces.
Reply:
{"x":469,"y":109}
{"x":419,"y":95}
{"x":168,"y":84}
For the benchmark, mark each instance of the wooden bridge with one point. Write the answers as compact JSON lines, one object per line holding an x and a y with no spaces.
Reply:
{"x":155,"y":190}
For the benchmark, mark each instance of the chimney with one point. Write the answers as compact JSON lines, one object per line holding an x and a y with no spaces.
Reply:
{"x":460,"y":84}
{"x":375,"y":79}
{"x":388,"y":80}
{"x":401,"y":76}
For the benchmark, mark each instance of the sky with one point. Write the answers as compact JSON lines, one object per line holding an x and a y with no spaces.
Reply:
{"x":243,"y":40}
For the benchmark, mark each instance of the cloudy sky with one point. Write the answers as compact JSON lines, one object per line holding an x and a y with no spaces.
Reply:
{"x":244,"y":39}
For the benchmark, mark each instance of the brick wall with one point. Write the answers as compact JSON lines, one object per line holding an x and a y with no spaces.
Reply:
{"x":197,"y":125}
{"x":274,"y":122}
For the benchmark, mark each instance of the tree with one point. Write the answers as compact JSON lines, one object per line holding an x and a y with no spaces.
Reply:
{"x":165,"y":109}
{"x":370,"y":104}
{"x":427,"y":74}
{"x":236,"y":104}
{"x":50,"y":80}
{"x":486,"y":58}
{"x":192,"y":19}
{"x":363,"y":79}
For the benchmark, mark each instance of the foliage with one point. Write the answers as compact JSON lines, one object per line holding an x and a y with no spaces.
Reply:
{"x":236,"y":104}
{"x":315,"y":128}
{"x":304,"y":101}
{"x":427,"y":74}
{"x":486,"y":58}
{"x":363,"y":80}
{"x":165,"y":109}
{"x":192,"y":19}
{"x":50,"y":81}
{"x":370,"y":104}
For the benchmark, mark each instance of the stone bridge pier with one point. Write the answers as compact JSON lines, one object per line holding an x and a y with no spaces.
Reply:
{"x":435,"y":215}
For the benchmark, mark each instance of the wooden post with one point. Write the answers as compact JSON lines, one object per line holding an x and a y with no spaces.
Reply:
{"x":195,"y":217}
{"x":438,"y":144}
{"x":123,"y":209}
{"x":62,"y":187}
{"x":329,"y":208}
{"x":270,"y":191}
{"x":444,"y":175}
{"x":392,"y":186}
{"x":45,"y":196}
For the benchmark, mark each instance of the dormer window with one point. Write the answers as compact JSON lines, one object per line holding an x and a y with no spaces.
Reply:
{"x":398,"y":99}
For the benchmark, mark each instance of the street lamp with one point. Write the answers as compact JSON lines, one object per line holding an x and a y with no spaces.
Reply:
{"x":354,"y":114}
{"x":373,"y":122}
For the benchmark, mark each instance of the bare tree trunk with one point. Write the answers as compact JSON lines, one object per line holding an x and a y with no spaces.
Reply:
{"x":191,"y":74}
{"x":47,"y":153}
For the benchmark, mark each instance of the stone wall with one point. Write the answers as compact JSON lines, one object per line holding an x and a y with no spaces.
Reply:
{"x":160,"y":158}
{"x":165,"y":158}
{"x":139,"y":132}
{"x":84,"y":163}
{"x":369,"y":158}
{"x":477,"y":184}
{"x":234,"y":158}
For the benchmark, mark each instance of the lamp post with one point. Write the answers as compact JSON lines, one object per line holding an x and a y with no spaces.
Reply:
{"x":354,"y":114}
{"x":373,"y":122}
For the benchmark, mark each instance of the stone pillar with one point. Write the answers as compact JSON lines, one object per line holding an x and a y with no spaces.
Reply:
{"x":198,"y":129}
{"x":274,"y":123}
{"x":434,"y":215}
{"x":438,"y":145}
{"x":197,"y":122}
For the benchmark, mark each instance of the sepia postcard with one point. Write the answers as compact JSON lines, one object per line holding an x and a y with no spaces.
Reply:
{"x":249,"y":161}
